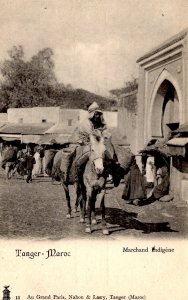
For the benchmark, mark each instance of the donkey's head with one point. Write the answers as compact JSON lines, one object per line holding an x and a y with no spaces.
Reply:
{"x":97,"y":151}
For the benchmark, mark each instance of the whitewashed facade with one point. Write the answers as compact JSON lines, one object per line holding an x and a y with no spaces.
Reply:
{"x":69,"y":118}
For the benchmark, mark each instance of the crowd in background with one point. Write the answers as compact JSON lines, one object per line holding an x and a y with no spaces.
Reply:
{"x":154,"y":177}
{"x":151,"y":183}
{"x":27,"y":162}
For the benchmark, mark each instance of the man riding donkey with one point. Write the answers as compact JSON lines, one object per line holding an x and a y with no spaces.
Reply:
{"x":79,"y":147}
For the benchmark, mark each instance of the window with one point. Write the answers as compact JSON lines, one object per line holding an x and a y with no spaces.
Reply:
{"x":69,"y":122}
{"x":43,"y":120}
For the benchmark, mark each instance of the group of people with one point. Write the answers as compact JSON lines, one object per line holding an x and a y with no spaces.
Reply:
{"x":145,"y":187}
{"x":28,"y":162}
{"x":135,"y":188}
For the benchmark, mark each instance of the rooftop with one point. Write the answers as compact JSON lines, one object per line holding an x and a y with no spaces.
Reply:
{"x":60,"y":128}
{"x":54,"y":138}
{"x":26,"y":128}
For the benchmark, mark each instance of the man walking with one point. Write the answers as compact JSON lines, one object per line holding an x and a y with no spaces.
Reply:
{"x":30,"y":161}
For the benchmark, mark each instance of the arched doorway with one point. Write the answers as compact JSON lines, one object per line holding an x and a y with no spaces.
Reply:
{"x":165,"y":111}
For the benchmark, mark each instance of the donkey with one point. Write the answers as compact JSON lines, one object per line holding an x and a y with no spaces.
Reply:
{"x":90,"y":180}
{"x":95,"y":178}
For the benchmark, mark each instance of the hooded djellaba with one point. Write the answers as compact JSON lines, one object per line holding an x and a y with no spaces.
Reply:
{"x":134,"y":188}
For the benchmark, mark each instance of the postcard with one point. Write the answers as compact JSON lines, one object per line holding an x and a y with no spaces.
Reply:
{"x":93,"y":149}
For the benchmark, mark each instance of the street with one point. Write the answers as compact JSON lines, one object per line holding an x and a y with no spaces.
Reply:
{"x":38,"y":211}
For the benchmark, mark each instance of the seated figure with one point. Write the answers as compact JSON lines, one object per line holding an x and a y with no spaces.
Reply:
{"x":80,"y":138}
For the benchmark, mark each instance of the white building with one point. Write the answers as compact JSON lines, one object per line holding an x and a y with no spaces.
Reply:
{"x":56,"y":121}
{"x":68,"y":118}
{"x":33,"y":115}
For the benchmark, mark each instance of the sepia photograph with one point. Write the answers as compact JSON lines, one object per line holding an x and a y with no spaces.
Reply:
{"x":93,"y":149}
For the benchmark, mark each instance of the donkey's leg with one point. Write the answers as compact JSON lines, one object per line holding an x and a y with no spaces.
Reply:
{"x":104,"y":225}
{"x":75,"y":209}
{"x":83,"y":200}
{"x":77,"y":179}
{"x":93,"y":216}
{"x":77,"y":198}
{"x":79,"y":201}
{"x":66,"y":189}
{"x":90,"y":199}
{"x":6,"y":171}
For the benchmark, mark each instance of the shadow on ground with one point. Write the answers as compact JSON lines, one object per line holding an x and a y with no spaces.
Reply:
{"x":128,"y":220}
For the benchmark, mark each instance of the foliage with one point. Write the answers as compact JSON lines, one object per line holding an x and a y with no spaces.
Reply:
{"x":127,"y":96}
{"x":80,"y":98}
{"x":27,"y":83}
{"x":33,"y":83}
{"x":130,"y":102}
{"x":129,"y":87}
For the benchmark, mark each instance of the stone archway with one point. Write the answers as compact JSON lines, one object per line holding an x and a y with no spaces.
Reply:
{"x":163,"y":89}
{"x":165,"y":108}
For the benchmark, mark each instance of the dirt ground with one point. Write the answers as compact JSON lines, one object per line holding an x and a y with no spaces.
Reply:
{"x":38,"y":210}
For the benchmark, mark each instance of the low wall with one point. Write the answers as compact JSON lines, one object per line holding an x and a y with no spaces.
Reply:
{"x":179,"y":178}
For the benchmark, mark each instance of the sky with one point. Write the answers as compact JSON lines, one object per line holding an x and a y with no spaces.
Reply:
{"x":96,"y":42}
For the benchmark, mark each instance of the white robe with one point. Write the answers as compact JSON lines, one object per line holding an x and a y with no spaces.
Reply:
{"x":150,"y":177}
{"x":37,"y":166}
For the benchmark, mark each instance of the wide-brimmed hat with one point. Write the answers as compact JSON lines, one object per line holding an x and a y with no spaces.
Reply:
{"x":93,"y":108}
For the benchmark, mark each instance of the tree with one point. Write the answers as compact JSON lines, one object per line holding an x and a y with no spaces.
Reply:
{"x":27,"y":83}
{"x":33,"y":83}
{"x":127,"y":95}
{"x":129,"y":86}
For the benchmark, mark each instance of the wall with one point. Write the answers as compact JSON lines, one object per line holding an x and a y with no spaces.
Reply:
{"x":83,"y":115}
{"x":111,"y":118}
{"x":3,"y":118}
{"x":19,"y":115}
{"x":50,"y":114}
{"x":168,"y":61}
{"x":127,"y":126}
{"x":33,"y":115}
{"x":69,"y":118}
{"x":179,"y":177}
{"x":127,"y":118}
